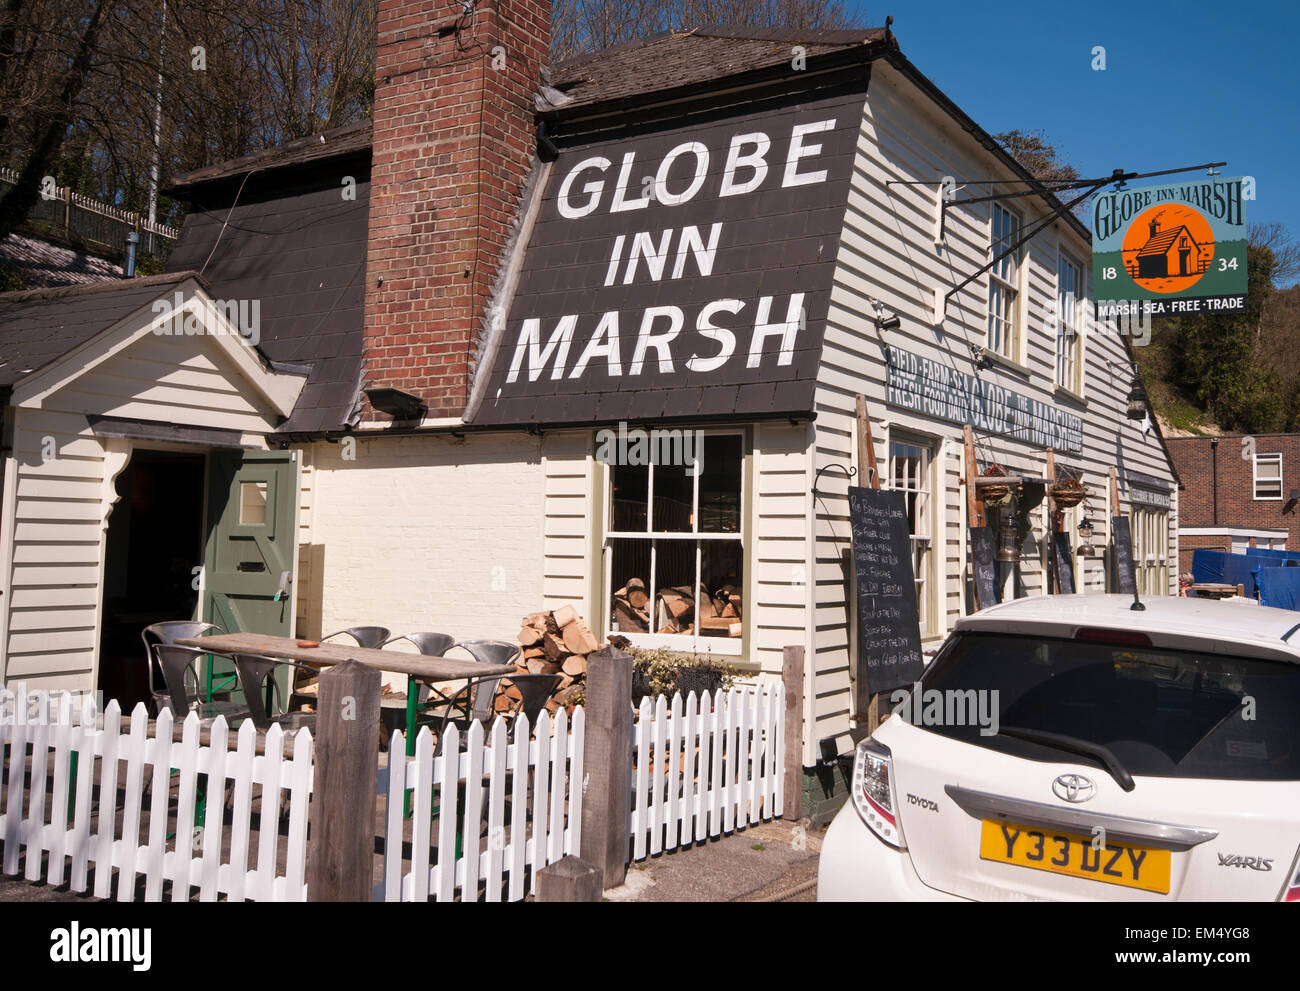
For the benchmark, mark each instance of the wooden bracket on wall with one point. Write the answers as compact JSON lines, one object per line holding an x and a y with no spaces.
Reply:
{"x":866,"y":447}
{"x":974,"y":508}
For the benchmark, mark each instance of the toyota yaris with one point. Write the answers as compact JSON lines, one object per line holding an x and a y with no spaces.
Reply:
{"x":1070,"y":747}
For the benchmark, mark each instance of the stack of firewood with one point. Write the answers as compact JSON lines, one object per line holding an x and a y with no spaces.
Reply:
{"x":680,"y":609}
{"x":557,"y":643}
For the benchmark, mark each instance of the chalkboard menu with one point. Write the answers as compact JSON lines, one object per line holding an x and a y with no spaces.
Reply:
{"x":984,"y":567}
{"x":1122,"y":558}
{"x":1064,"y":563}
{"x":889,"y":627}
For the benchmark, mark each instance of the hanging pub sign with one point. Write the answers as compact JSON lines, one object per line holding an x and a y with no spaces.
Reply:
{"x":939,"y":390}
{"x":1170,"y":250}
{"x":680,"y":271}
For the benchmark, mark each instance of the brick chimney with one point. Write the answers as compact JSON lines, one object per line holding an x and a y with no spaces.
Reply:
{"x":454,"y":138}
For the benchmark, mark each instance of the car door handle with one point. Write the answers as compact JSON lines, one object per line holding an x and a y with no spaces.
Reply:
{"x":248,"y":566}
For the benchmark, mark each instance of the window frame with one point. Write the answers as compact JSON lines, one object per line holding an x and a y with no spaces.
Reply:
{"x":1069,"y":378}
{"x":928,"y":604}
{"x":1270,"y":457}
{"x":1006,"y":288}
{"x":689,"y":643}
{"x":1149,"y":528}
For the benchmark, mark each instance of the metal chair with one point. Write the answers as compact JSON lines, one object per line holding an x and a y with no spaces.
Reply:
{"x":180,"y":664}
{"x":370,"y":637}
{"x":535,"y":691}
{"x":260,"y":688}
{"x":168,"y":632}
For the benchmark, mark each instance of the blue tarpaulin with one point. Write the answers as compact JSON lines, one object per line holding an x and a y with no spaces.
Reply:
{"x":1270,"y":553}
{"x":1280,"y":587}
{"x":1226,"y":569}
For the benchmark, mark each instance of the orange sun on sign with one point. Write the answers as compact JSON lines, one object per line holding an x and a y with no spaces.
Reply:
{"x":1168,"y":248}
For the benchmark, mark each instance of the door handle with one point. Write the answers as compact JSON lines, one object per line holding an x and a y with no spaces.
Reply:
{"x":283,"y":591}
{"x":251,"y":566}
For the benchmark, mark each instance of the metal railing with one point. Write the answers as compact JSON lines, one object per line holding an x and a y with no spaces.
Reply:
{"x":98,"y":225}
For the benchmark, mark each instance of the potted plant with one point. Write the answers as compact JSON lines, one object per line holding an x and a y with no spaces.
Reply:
{"x":993,"y":493}
{"x":1068,"y":491}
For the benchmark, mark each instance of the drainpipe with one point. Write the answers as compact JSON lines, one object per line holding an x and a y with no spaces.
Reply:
{"x":1214,"y":485}
{"x":132,"y":240}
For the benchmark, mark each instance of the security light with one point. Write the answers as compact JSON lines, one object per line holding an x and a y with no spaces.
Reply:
{"x":891,"y":323}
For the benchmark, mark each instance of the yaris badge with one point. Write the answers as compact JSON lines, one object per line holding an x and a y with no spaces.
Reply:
{"x":1073,"y":787}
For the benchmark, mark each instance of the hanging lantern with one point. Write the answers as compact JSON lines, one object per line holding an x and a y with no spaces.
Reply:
{"x":1008,"y":539}
{"x":1085,"y":533}
{"x":1137,"y":400}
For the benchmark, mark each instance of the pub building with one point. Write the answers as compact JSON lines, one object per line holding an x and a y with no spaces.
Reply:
{"x":589,"y":335}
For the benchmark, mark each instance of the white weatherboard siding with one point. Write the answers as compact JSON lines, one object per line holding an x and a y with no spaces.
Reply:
{"x":426,"y":533}
{"x":888,"y":253}
{"x":568,"y":528}
{"x":62,"y":476}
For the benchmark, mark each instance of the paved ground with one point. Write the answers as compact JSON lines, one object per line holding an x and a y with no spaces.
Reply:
{"x":772,"y":861}
{"x":16,"y":889}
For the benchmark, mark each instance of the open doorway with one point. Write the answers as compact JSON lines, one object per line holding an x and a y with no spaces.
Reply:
{"x":154,"y":543}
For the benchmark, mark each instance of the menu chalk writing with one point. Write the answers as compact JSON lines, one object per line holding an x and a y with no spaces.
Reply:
{"x":1123,"y":556}
{"x":984,"y":567}
{"x":889,"y":628}
{"x":1064,"y":563}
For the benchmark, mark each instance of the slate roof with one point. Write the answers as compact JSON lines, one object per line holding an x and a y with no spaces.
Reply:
{"x":683,"y":59}
{"x":38,"y":326}
{"x":44,"y":264}
{"x":301,"y":254}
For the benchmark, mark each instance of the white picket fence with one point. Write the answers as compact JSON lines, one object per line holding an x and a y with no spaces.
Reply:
{"x":192,"y":859}
{"x":704,"y":768}
{"x":527,"y":792}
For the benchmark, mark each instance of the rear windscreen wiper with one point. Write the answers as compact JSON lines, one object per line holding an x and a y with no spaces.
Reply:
{"x":1074,"y":745}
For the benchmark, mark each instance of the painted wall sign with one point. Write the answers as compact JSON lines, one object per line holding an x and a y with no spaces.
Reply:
{"x":938,"y":390}
{"x":1168,"y":250}
{"x":681,"y":272}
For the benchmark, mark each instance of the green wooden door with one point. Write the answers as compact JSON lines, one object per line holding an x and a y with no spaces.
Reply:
{"x":251,"y":553}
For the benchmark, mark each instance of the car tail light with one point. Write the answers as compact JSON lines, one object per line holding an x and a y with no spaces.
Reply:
{"x":1096,"y":634}
{"x":873,"y":792}
{"x":1291,"y":891}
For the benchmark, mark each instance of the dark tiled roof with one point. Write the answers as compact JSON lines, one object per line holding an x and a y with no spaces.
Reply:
{"x":44,"y":264}
{"x":39,"y":325}
{"x":1161,"y":243}
{"x":345,"y":140}
{"x":675,"y":60}
{"x":301,"y":255}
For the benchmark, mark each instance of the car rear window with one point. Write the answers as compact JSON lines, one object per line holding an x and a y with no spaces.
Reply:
{"x":1167,"y":713}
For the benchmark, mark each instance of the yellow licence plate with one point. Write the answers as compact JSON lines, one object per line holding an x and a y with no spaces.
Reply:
{"x":1074,"y":855}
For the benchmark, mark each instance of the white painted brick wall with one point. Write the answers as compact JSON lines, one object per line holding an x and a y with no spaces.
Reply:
{"x":428,"y":533}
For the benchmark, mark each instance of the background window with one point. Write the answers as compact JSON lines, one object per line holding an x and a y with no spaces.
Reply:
{"x":1004,"y":283}
{"x":1069,"y":308}
{"x":1268,"y":476}
{"x":1150,"y":549}
{"x":676,"y":550}
{"x":909,"y":472}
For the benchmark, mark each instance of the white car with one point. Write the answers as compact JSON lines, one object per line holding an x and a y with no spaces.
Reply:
{"x":1070,"y":747}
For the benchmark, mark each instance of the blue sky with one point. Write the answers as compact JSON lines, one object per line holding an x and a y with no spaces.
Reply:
{"x":1184,"y":83}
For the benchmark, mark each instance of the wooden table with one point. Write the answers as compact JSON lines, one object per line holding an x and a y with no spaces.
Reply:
{"x":421,"y":667}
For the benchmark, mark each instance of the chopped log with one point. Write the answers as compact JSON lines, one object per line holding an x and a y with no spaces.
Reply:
{"x":679,"y":606}
{"x":635,"y":593}
{"x":564,"y":616}
{"x":551,"y":667}
{"x":529,"y":635}
{"x":537,"y":666}
{"x":735,"y":629}
{"x":500,"y":704}
{"x":579,"y":638}
{"x":523,"y":668}
{"x":575,"y":665}
{"x":729,"y":611}
{"x":554,"y":648}
{"x":630,"y":620}
{"x":537,"y":620}
{"x":565,"y":681}
{"x":668,"y":629}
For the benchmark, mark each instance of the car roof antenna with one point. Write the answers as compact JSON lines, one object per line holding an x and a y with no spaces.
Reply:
{"x":1137,"y":605}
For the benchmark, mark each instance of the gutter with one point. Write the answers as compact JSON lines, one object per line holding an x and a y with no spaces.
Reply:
{"x":282,"y":440}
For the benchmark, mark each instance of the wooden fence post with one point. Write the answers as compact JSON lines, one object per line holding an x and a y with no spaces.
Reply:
{"x":340,"y":866}
{"x":607,"y":765}
{"x":792,"y":675}
{"x":569,"y":879}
